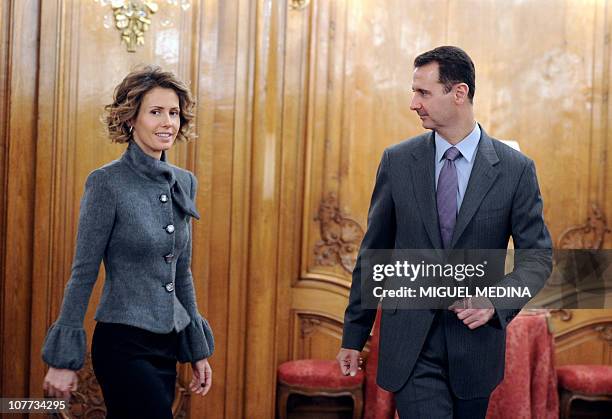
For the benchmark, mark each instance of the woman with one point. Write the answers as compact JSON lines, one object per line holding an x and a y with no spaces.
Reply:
{"x":136,"y":216}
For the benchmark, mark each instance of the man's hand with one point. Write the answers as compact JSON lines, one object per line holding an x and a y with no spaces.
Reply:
{"x":349,"y":361}
{"x":202,"y":377}
{"x":474,"y":312}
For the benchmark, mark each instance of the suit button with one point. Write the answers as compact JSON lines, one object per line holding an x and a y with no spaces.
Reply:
{"x":169,"y":286}
{"x":163,"y":198}
{"x":169,"y":258}
{"x":169,"y":229}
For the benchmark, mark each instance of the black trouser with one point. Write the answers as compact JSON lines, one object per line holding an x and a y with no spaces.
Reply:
{"x":427,"y":393}
{"x":136,"y":370}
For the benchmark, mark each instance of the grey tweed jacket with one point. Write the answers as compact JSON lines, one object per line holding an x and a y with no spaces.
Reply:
{"x":136,"y":217}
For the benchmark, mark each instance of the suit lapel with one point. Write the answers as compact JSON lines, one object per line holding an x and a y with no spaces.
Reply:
{"x":482,"y":177}
{"x":423,"y":179}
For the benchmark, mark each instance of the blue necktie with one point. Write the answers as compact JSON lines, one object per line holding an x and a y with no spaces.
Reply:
{"x":446,"y":196}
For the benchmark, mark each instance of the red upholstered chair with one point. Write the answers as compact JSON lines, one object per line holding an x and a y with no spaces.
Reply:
{"x":310,"y":377}
{"x":583,"y":382}
{"x":323,"y":378}
{"x":313,"y":378}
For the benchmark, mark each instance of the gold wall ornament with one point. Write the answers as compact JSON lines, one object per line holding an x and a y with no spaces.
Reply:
{"x":132,"y":19}
{"x":299,"y":4}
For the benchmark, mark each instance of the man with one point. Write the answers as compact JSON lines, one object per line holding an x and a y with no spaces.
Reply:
{"x":452,"y":188}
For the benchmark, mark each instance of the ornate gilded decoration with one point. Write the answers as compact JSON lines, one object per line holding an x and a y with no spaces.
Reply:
{"x":340,"y":236}
{"x":590,"y":235}
{"x":132,"y":19}
{"x":299,"y":4}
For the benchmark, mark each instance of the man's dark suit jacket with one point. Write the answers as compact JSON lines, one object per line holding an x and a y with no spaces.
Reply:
{"x":502,"y":199}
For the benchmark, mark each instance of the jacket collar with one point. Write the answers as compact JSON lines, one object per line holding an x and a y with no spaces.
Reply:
{"x":159,"y":171}
{"x":150,"y":167}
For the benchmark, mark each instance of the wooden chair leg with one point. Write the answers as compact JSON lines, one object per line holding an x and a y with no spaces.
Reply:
{"x":565,"y":404}
{"x":357,"y":396}
{"x":283,"y":396}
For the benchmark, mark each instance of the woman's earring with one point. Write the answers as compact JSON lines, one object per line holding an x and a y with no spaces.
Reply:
{"x":131,"y":128}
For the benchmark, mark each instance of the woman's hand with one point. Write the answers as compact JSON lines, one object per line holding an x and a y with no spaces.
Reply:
{"x":202,"y":377}
{"x":60,"y":382}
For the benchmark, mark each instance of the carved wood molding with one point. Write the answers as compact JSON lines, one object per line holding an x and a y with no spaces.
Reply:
{"x":308,"y":325}
{"x":340,"y":236}
{"x":590,"y":235}
{"x":299,"y":4}
{"x":564,"y":314}
{"x":605,"y":332}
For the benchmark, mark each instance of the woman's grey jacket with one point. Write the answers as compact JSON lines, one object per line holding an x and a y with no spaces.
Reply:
{"x":135,"y":215}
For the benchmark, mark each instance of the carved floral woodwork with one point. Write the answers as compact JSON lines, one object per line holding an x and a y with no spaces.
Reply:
{"x":340,"y":236}
{"x":299,"y":4}
{"x":605,"y":332}
{"x":308,"y":325}
{"x":590,"y":235}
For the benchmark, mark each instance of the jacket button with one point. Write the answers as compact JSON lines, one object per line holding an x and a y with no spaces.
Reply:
{"x":169,"y":258}
{"x":169,"y":286}
{"x":169,"y":229}
{"x":163,"y":198}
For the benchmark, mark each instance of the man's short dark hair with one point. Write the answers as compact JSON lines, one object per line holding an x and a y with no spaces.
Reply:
{"x":454,"y":65}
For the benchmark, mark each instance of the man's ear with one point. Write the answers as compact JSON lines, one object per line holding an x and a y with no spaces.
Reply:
{"x":461,"y":91}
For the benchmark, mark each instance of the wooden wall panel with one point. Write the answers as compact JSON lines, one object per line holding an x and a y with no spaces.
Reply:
{"x":582,"y":336}
{"x":18,"y":89}
{"x":4,"y":104}
{"x":222,"y":166}
{"x":519,"y":95}
{"x":314,"y":336}
{"x":264,"y":207}
{"x":297,"y":100}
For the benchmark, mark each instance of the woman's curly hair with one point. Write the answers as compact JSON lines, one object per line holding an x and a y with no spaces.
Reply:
{"x":128,"y":98}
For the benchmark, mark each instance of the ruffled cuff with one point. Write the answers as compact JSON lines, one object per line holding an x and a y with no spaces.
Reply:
{"x":65,"y":347}
{"x":196,"y":341}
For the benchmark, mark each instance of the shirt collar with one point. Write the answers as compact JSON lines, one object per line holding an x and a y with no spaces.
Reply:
{"x":467,"y":146}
